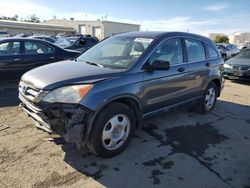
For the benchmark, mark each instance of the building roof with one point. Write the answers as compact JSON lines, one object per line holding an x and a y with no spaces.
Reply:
{"x":104,"y":21}
{"x":34,"y":26}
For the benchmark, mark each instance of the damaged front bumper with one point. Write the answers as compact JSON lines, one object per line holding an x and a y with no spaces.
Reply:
{"x":67,"y":120}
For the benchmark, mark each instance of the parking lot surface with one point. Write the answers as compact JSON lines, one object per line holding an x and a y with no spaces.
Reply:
{"x":180,"y":149}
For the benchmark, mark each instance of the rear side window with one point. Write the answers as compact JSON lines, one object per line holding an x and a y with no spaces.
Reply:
{"x":36,"y":48}
{"x":195,"y":50}
{"x":10,"y":48}
{"x":211,"y":52}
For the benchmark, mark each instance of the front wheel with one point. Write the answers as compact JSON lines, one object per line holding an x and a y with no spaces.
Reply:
{"x":112,"y":131}
{"x":209,"y":99}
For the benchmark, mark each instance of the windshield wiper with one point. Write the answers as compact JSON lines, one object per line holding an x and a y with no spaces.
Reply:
{"x":92,"y":63}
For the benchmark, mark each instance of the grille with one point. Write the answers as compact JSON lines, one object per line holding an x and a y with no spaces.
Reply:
{"x":236,"y":67}
{"x":30,"y":93}
{"x":245,"y":67}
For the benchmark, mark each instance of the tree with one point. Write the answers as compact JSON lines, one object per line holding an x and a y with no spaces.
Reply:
{"x":221,"y":39}
{"x":33,"y":18}
{"x":14,"y":18}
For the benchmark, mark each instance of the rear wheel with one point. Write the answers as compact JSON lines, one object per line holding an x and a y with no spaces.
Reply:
{"x":112,"y":131}
{"x":209,"y":99}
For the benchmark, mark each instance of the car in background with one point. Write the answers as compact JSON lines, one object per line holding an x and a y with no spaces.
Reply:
{"x":238,"y":67}
{"x":45,"y":38}
{"x":23,"y":35}
{"x":105,"y":94}
{"x":244,"y":45}
{"x":4,"y":34}
{"x":80,"y":43}
{"x":227,"y":50}
{"x":18,"y":55}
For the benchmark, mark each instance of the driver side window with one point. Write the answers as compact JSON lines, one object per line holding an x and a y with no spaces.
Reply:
{"x":170,"y":50}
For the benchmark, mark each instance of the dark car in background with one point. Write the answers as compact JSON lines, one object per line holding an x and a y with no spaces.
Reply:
{"x":80,"y":43}
{"x":18,"y":55}
{"x":227,"y":50}
{"x":4,"y":34}
{"x":238,"y":67}
{"x":105,"y":94}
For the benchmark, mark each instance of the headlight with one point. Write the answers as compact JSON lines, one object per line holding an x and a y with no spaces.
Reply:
{"x":227,"y":66}
{"x":68,"y":94}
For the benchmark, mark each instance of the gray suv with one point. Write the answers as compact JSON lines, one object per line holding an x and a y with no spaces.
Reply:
{"x":101,"y":97}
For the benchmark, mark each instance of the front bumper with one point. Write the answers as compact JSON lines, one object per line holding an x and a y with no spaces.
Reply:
{"x":67,"y":120}
{"x":237,"y":74}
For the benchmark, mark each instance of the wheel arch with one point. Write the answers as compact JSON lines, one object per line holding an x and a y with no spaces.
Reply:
{"x":129,"y":100}
{"x":217,"y":81}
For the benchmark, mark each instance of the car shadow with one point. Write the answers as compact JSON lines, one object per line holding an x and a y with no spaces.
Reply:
{"x":153,"y":146}
{"x":243,"y":82}
{"x":9,"y":93}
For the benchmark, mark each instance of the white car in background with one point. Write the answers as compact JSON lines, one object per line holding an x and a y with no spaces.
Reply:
{"x":227,"y":50}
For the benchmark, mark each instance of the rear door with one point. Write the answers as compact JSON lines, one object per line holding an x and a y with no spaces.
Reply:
{"x":199,"y":66}
{"x":166,"y":87}
{"x":11,"y":62}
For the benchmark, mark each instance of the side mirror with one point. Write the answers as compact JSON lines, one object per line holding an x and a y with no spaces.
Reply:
{"x":158,"y":65}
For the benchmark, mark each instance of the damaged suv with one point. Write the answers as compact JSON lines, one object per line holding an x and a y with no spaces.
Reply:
{"x":102,"y":96}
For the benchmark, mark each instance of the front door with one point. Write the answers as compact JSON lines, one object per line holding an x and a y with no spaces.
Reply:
{"x":163,"y":88}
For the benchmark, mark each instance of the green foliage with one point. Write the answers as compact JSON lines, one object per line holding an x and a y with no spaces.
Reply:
{"x":33,"y":18}
{"x":14,"y":18}
{"x":221,"y":39}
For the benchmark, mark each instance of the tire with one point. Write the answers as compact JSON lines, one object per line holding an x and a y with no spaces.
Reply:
{"x":209,"y":99}
{"x":112,"y":130}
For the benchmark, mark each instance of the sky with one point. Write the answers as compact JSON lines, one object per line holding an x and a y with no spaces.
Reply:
{"x":196,"y":16}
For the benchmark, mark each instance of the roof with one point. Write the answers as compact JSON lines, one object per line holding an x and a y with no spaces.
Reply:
{"x":156,"y":34}
{"x":82,"y":21}
{"x":34,"y":26}
{"x":20,"y":39}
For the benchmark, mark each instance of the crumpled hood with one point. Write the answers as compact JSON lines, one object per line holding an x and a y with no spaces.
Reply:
{"x":56,"y":75}
{"x":238,"y":61}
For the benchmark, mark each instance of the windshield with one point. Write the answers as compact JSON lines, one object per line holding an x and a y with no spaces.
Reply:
{"x":116,"y":52}
{"x":245,"y":54}
{"x":220,"y":47}
{"x":66,"y":42}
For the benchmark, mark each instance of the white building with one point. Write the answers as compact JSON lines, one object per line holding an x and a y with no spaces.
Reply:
{"x":100,"y":29}
{"x":239,"y":37}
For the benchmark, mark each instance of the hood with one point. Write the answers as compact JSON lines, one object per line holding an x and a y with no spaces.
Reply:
{"x":238,"y":61}
{"x":56,"y":75}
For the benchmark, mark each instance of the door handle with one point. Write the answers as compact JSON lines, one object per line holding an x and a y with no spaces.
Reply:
{"x":52,"y":57}
{"x":207,"y":64}
{"x":181,"y":69}
{"x":16,"y":59}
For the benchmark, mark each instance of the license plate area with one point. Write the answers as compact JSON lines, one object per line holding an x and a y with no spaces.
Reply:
{"x":237,"y":73}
